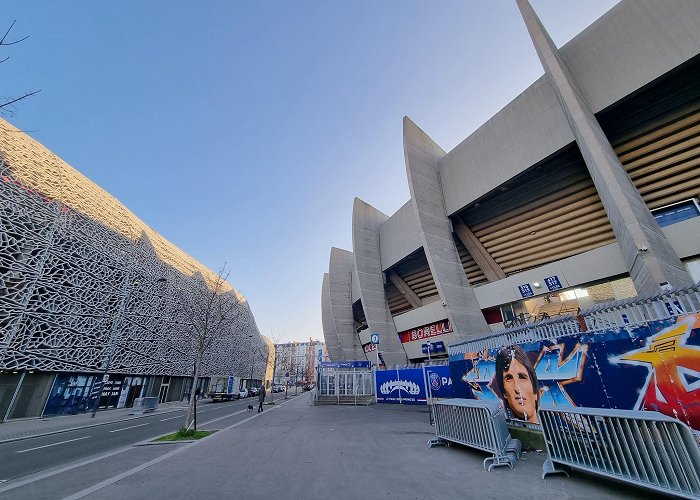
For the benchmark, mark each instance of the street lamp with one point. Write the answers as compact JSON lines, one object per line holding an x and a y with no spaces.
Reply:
{"x":429,"y":346}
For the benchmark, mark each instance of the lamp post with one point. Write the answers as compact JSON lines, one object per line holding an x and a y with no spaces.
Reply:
{"x":429,"y":345}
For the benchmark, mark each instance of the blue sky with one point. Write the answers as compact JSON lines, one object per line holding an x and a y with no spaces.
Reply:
{"x":242,"y":131}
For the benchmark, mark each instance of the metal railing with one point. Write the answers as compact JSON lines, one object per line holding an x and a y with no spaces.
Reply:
{"x":478,"y":424}
{"x":621,"y":313}
{"x":645,"y":448}
{"x":642,"y":309}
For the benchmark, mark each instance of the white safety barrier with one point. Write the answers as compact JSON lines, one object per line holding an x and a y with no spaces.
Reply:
{"x":644,"y":448}
{"x":478,"y":424}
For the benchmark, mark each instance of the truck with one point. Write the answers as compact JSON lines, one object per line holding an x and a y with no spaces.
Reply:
{"x":227,"y":393}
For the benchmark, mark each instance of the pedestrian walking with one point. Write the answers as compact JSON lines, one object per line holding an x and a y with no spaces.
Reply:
{"x":261,"y":398}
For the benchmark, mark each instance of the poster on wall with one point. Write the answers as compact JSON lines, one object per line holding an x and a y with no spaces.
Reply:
{"x":655,"y":367}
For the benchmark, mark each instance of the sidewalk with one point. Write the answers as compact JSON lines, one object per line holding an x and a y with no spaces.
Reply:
{"x":14,"y":430}
{"x":294,"y":450}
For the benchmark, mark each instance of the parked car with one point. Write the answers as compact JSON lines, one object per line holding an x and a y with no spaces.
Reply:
{"x":243,"y":393}
{"x":224,"y":396}
{"x":278,"y":388}
{"x":253,"y":391}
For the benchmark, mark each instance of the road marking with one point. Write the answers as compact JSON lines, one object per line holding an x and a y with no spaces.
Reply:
{"x":176,"y":416}
{"x":125,"y":428}
{"x":53,"y":444}
{"x":221,"y":418}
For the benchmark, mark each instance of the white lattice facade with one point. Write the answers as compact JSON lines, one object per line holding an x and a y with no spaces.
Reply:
{"x":82,"y":278}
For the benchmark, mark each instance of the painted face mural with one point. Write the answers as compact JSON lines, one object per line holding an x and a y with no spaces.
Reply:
{"x":517,"y":382}
{"x":653,"y":366}
{"x":520,"y":394}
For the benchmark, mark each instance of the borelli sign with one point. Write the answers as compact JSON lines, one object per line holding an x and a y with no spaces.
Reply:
{"x":426,"y":331}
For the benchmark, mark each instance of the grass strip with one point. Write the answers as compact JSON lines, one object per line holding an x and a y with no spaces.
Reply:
{"x":184,"y":434}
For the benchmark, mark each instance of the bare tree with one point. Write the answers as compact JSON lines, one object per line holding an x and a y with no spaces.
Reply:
{"x":215,"y":314}
{"x":7,"y":104}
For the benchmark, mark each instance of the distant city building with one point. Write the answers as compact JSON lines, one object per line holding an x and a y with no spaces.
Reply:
{"x":297,"y":361}
{"x":583,"y":189}
{"x":86,"y":288}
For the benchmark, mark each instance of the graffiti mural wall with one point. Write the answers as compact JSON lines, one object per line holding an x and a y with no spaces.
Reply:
{"x":653,"y":367}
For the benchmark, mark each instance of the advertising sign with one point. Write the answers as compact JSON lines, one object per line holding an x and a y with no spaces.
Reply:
{"x":401,"y":386}
{"x":231,"y":384}
{"x":426,"y":331}
{"x":439,"y":381}
{"x":435,"y":347}
{"x":369,"y":347}
{"x":651,"y":367}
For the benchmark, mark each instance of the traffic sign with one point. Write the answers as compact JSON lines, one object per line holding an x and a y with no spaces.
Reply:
{"x":374,"y":338}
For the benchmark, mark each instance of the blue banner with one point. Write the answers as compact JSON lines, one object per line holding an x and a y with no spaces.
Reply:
{"x":439,"y":381}
{"x":434,"y":347}
{"x":345,"y":364}
{"x":401,"y":386}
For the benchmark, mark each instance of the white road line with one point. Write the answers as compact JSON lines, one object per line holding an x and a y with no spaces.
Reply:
{"x":125,"y":428}
{"x":176,"y":416}
{"x":221,"y":418}
{"x":53,"y":444}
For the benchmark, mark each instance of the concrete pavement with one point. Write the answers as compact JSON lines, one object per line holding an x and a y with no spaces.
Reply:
{"x":294,"y":450}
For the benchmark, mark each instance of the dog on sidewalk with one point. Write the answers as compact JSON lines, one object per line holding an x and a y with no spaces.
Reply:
{"x":250,"y":407}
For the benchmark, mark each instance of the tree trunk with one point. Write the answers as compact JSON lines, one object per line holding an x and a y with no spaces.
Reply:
{"x":190,"y":407}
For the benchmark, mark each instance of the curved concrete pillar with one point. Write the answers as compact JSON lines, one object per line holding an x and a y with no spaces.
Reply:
{"x":329,"y":334}
{"x":650,"y":258}
{"x":422,"y":159}
{"x":340,"y":290}
{"x":365,"y":245}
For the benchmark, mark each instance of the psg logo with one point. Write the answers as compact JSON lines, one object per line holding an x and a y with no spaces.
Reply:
{"x":434,"y":381}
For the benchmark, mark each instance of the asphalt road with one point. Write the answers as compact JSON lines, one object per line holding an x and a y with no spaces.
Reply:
{"x":43,"y":452}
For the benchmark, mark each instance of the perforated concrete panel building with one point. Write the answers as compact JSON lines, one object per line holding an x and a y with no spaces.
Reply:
{"x":86,"y":286}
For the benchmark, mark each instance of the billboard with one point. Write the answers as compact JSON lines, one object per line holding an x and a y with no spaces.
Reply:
{"x":651,"y":367}
{"x":401,"y":386}
{"x":439,"y":381}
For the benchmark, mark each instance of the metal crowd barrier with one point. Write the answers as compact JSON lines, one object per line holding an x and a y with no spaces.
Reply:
{"x":478,"y":424}
{"x":645,"y":448}
{"x":144,"y":405}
